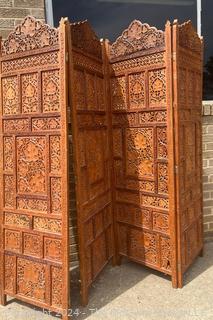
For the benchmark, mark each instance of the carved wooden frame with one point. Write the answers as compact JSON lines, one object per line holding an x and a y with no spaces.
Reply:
{"x":34,"y":213}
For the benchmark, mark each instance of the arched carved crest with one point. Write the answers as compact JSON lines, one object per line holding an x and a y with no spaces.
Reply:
{"x":135,"y":38}
{"x":84,"y":38}
{"x":30,"y":34}
{"x":188,"y":37}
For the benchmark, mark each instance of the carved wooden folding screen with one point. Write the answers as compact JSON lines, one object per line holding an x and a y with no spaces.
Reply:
{"x":34,"y":225}
{"x":139,"y":118}
{"x":187,"y":78}
{"x":92,"y":155}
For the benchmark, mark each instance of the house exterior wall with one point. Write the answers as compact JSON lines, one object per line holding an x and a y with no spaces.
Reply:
{"x":208,"y":168}
{"x":13,"y":11}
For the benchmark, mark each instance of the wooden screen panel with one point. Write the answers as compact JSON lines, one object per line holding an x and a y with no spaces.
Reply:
{"x":91,"y":154}
{"x":140,"y":149}
{"x":34,"y":205}
{"x":188,"y":50}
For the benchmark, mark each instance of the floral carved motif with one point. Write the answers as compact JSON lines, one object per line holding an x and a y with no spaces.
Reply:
{"x":16,"y":125}
{"x":48,"y":225}
{"x":163,"y":178}
{"x":31,"y":34}
{"x":157,"y":88}
{"x":10,"y":273}
{"x":56,"y":195}
{"x":32,"y":245}
{"x":162,"y":142}
{"x":57,"y":285}
{"x":12,"y":240}
{"x":29,"y":84}
{"x":118,"y":90}
{"x":139,"y":152}
{"x":160,"y":222}
{"x":32,"y":204}
{"x":55,"y":152}
{"x":50,"y":91}
{"x":52,"y":249}
{"x":46,"y":124}
{"x":137,"y":37}
{"x":10,"y":95}
{"x":137,"y":90}
{"x":165,"y":253}
{"x":9,"y":191}
{"x":8,"y":154}
{"x":19,"y":220}
{"x":31,"y":279}
{"x":31,"y":164}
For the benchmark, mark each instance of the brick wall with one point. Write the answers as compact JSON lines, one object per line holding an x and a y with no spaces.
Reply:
{"x":208,"y":168}
{"x":12,"y":13}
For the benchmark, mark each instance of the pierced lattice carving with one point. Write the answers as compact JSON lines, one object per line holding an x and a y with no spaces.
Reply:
{"x":137,"y":37}
{"x":31,"y":34}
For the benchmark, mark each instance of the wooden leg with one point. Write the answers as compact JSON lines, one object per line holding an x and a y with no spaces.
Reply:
{"x":116,"y":260}
{"x":3,"y":300}
{"x":84,"y":296}
{"x":180,"y":280}
{"x":201,"y":253}
{"x":174,"y":281}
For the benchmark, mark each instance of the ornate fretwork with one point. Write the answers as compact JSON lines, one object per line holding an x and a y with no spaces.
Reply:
{"x":31,"y":280}
{"x":32,"y":244}
{"x":137,"y":90}
{"x":162,"y":142}
{"x":48,"y":58}
{"x":29,"y":84}
{"x":31,"y":34}
{"x":12,"y":240}
{"x":47,"y":225}
{"x":10,"y":273}
{"x":57,"y":285}
{"x":165,"y":253}
{"x":16,"y":125}
{"x":55,"y":151}
{"x":31,"y":164}
{"x":161,"y":222}
{"x":52,"y":249}
{"x":155,"y":59}
{"x":8,"y":154}
{"x":32,"y":204}
{"x":19,"y":220}
{"x":9,"y":191}
{"x":50,"y":90}
{"x":10,"y":95}
{"x":139,"y":156}
{"x":46,"y":124}
{"x":84,"y":38}
{"x":157,"y":88}
{"x":135,"y":38}
{"x":56,"y":195}
{"x":118,"y":91}
{"x":188,"y":37}
{"x":163,"y":178}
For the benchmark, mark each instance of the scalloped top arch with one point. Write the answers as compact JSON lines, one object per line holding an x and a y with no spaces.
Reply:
{"x":29,"y":35}
{"x":84,"y":38}
{"x":189,"y":38}
{"x":138,"y":36}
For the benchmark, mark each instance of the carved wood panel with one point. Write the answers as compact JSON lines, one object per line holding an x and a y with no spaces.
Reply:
{"x":91,"y":153}
{"x":139,"y":119}
{"x":189,"y":59}
{"x":34,"y":209}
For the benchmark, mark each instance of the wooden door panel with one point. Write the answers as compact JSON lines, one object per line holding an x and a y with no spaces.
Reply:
{"x":34,"y":222}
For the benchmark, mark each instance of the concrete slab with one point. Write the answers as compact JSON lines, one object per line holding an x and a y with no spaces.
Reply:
{"x":133,"y":292}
